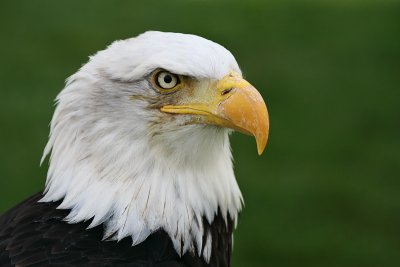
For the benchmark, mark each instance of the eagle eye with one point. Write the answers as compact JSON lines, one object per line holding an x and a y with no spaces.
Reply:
{"x":166,"y":80}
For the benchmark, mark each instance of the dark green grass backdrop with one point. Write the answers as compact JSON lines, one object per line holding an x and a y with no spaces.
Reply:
{"x":327,"y":190}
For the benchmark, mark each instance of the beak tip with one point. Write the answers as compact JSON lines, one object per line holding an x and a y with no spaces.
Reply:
{"x":261,"y":146}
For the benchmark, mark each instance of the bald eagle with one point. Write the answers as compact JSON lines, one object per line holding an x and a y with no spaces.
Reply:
{"x":140,"y":167}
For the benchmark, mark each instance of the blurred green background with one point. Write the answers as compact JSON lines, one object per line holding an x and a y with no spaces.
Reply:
{"x":327,"y":190}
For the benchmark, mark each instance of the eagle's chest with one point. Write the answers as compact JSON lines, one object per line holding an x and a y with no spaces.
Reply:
{"x":34,"y":234}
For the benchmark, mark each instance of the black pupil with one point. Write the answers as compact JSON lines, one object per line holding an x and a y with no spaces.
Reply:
{"x":167,"y":78}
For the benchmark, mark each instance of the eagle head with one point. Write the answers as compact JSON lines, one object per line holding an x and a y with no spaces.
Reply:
{"x":139,"y":139}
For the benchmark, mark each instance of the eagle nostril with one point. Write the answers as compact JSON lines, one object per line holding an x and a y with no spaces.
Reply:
{"x":226,"y":91}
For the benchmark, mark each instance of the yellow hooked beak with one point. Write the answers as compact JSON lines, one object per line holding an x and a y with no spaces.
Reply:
{"x":231,"y":102}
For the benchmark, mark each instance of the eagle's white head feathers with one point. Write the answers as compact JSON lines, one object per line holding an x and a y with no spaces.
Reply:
{"x":116,"y":158}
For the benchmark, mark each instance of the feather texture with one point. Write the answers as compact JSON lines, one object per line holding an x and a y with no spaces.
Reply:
{"x":35,"y":234}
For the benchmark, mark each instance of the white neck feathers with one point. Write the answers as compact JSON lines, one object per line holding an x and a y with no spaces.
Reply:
{"x":132,"y":178}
